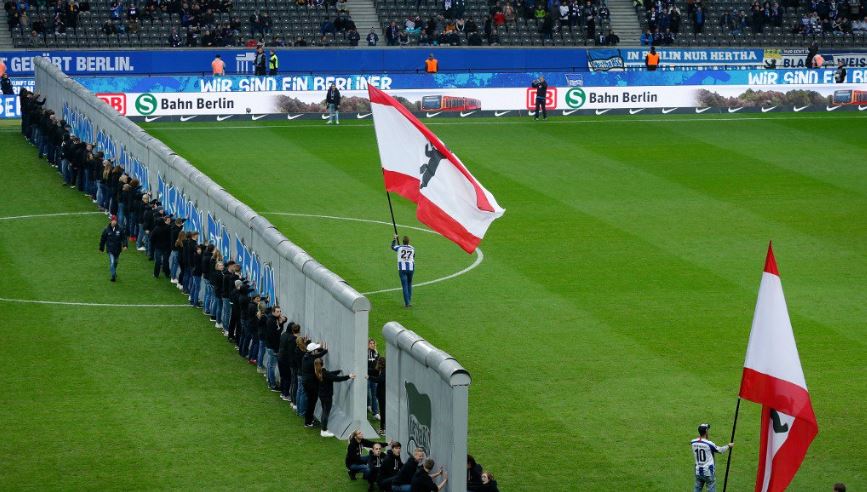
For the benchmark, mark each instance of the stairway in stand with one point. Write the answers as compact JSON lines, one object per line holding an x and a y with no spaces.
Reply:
{"x":363,"y":13}
{"x":624,"y":22}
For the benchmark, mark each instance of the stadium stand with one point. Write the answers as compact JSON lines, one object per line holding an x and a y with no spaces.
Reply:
{"x":204,"y":23}
{"x":733,"y":23}
{"x":287,"y":23}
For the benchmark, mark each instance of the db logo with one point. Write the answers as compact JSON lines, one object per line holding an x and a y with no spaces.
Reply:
{"x":116,"y":101}
{"x":550,"y":98}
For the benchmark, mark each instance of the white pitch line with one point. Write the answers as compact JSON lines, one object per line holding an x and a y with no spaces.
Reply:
{"x":71,"y":303}
{"x":503,"y":121}
{"x":90,"y":304}
{"x":479,"y":254}
{"x":61,"y":214}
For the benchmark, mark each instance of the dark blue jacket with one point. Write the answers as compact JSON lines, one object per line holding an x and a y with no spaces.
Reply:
{"x":113,"y":239}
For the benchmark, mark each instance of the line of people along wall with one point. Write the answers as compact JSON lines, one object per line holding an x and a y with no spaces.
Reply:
{"x":329,"y":309}
{"x":176,"y":202}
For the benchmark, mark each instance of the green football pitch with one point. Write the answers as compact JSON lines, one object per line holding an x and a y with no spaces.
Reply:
{"x":606,"y":318}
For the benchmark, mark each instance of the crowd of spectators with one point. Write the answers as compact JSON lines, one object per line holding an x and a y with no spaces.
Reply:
{"x":291,"y":363}
{"x":665,"y":19}
{"x":450,"y":26}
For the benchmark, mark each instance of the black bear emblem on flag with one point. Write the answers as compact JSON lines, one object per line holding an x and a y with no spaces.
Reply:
{"x":429,"y":168}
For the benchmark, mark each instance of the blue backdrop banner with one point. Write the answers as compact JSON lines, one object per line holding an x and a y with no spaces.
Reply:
{"x":240,"y":61}
{"x":490,"y":80}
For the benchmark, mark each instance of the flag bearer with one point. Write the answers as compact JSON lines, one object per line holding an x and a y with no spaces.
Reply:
{"x":703,"y":451}
{"x":405,"y":267}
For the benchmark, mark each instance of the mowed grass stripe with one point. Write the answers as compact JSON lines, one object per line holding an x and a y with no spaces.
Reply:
{"x":647,"y":296}
{"x":114,"y":398}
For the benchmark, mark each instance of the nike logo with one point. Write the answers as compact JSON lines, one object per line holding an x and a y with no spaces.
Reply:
{"x":862,"y":108}
{"x":221,"y":118}
{"x":666,"y":111}
{"x":702,"y":110}
{"x":188,"y":118}
{"x":291,"y":117}
{"x":636,"y":111}
{"x":567,"y":113}
{"x":148,"y":119}
{"x":765,"y":110}
{"x":259,"y":117}
{"x":735,"y":110}
{"x":362,"y":116}
{"x":464,"y":115}
{"x":602,"y":111}
{"x":326,"y":116}
{"x":500,"y":113}
{"x":431,"y":115}
{"x":798,"y":110}
{"x":831,"y":108}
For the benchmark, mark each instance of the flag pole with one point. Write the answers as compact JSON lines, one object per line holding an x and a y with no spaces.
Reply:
{"x":732,"y":440}
{"x":391,"y":209}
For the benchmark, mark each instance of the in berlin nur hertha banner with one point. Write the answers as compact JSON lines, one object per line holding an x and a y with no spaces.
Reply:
{"x":774,"y":378}
{"x":419,"y":167}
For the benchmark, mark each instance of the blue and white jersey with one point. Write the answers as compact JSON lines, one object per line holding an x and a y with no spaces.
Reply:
{"x":703,"y":451}
{"x":405,"y":257}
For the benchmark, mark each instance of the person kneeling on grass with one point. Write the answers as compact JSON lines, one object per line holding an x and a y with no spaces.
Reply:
{"x":423,"y":480}
{"x":326,"y":380}
{"x":355,"y":462}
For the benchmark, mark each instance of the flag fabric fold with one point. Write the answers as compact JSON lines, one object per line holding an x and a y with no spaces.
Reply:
{"x":419,"y":167}
{"x":773,"y":377}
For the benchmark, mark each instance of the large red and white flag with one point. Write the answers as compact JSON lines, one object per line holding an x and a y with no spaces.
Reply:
{"x":419,"y":167}
{"x":773,"y":377}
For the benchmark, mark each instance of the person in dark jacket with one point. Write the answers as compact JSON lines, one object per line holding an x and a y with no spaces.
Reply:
{"x":489,"y":484}
{"x":390,"y":467}
{"x":195,"y":275}
{"x":300,"y":403}
{"x":176,"y":229}
{"x":113,"y":241}
{"x":423,"y":480}
{"x":375,"y":460}
{"x":229,"y":278}
{"x":6,"y":85}
{"x":243,"y":310}
{"x":144,"y":219}
{"x":285,"y":354}
{"x":541,"y":87}
{"x":332,"y":99}
{"x":309,"y":380}
{"x":355,"y":461}
{"x":474,"y":474}
{"x":253,"y":328}
{"x":372,"y":356}
{"x":217,"y":303}
{"x":273,"y":324}
{"x":207,"y":267}
{"x":326,"y":380}
{"x":403,"y":481}
{"x":161,"y":242}
{"x":377,"y":376}
{"x":189,"y":259}
{"x":261,"y":333}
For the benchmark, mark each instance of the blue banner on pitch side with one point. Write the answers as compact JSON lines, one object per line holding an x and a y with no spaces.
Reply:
{"x":9,"y":107}
{"x":240,"y":61}
{"x":351,"y":82}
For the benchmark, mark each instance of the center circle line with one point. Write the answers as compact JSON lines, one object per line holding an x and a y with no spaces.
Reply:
{"x":480,"y":256}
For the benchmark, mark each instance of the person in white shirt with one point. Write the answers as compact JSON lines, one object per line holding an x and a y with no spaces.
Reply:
{"x":405,"y":267}
{"x":703,"y":451}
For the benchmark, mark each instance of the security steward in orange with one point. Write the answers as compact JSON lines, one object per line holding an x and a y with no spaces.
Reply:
{"x":651,"y":61}
{"x":431,"y":65}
